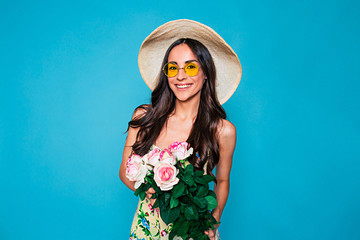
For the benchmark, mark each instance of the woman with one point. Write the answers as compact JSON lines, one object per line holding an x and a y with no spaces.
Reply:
{"x":184,"y":107}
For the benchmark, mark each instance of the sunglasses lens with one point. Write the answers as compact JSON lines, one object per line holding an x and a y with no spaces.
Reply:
{"x":191,"y":69}
{"x":170,"y":69}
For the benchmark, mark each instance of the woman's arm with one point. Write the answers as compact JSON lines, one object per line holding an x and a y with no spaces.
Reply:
{"x":130,"y":140}
{"x":227,"y":142}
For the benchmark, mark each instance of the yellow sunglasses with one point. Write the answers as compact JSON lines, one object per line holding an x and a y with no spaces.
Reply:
{"x":171,"y":69}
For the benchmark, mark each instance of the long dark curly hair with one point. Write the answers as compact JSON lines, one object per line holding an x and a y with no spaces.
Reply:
{"x":203,"y":136}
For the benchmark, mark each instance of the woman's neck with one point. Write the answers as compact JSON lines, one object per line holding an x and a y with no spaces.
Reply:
{"x":187,"y":110}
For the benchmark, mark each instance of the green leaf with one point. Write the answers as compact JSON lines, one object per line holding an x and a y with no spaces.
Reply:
{"x":189,"y":168}
{"x":142,"y":195}
{"x":212,"y":219}
{"x":203,"y":210}
{"x":155,"y":195}
{"x":178,"y":223}
{"x":172,"y":234}
{"x":184,"y":228}
{"x":202,"y":191}
{"x":211,"y":193}
{"x":155,"y":187}
{"x":208,"y":178}
{"x":178,"y":190}
{"x":146,"y":187}
{"x":205,"y":237}
{"x":174,"y":202}
{"x":200,"y":202}
{"x":192,"y":188}
{"x":198,"y":173}
{"x":156,"y":203}
{"x":196,"y":230}
{"x":201,"y":180}
{"x":212,"y":203}
{"x":167,"y":197}
{"x":137,"y":191}
{"x":169,"y":215}
{"x":188,"y":179}
{"x":184,"y":200}
{"x":191,"y":213}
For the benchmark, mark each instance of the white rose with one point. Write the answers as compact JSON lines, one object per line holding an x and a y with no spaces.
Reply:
{"x":152,"y":157}
{"x":136,"y":170}
{"x":165,"y":175}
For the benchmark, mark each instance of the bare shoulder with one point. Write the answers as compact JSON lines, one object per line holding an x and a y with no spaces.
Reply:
{"x":226,"y":131}
{"x":140,"y":111}
{"x":227,"y":143}
{"x":134,"y":127}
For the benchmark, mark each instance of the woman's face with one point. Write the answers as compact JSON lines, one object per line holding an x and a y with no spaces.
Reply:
{"x":185,"y":87}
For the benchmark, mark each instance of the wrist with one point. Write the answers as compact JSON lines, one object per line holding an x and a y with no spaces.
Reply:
{"x":216,"y":215}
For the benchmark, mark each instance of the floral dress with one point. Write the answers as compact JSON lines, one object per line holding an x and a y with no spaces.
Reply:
{"x":147,"y":223}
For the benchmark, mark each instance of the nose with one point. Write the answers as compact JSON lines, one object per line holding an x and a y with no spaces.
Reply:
{"x":181,"y":74}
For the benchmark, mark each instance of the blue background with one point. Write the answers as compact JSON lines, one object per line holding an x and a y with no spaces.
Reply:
{"x":70,"y":81}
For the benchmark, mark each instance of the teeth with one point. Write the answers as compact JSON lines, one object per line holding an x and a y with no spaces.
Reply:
{"x":183,"y":86}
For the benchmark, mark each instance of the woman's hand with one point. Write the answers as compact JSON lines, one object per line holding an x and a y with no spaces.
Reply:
{"x":211,"y":233}
{"x":149,"y":194}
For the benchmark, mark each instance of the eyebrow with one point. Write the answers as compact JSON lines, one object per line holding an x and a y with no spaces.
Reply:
{"x":185,"y":62}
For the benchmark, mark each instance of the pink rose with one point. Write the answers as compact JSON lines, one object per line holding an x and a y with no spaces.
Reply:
{"x":165,"y":175}
{"x":180,"y":150}
{"x":165,"y":154}
{"x":169,"y":159}
{"x":152,"y":157}
{"x":134,"y":158}
{"x":136,"y":170}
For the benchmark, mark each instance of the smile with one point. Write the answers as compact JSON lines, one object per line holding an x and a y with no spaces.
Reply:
{"x":182,"y":86}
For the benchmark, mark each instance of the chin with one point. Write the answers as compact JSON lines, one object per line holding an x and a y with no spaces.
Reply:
{"x":186,"y":98}
{"x":182,"y":99}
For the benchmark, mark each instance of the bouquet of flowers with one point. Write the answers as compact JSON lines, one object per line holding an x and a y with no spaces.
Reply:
{"x":182,"y":193}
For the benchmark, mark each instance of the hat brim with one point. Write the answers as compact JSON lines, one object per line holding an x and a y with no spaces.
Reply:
{"x":153,"y":49}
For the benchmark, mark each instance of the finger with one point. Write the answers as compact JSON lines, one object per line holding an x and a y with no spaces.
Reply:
{"x":151,"y":190}
{"x":148,"y":195}
{"x":209,"y":233}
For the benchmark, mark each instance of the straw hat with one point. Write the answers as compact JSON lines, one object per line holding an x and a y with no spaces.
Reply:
{"x":153,"y":49}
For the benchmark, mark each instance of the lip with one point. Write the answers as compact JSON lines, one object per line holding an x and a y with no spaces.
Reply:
{"x":183,"y":86}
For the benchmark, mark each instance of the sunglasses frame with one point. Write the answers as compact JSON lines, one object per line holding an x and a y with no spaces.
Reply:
{"x":178,"y":68}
